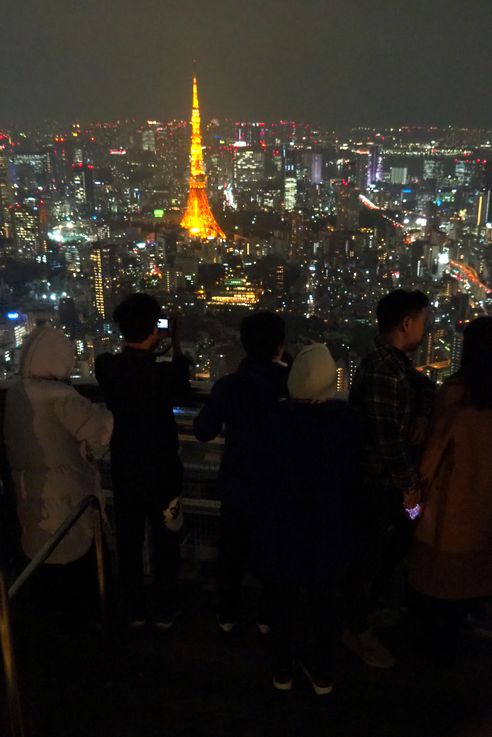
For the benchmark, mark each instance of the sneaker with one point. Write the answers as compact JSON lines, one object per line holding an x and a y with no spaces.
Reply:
{"x":322,"y":684}
{"x":227,"y":627}
{"x":164,"y":620}
{"x":477,"y":627}
{"x":135,"y":614}
{"x":264,"y":629}
{"x":282,"y":678}
{"x":385,"y":618}
{"x":367,"y":646}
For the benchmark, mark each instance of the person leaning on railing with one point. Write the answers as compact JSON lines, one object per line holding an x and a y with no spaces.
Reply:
{"x":238,"y":404}
{"x":49,"y":431}
{"x":139,"y":387}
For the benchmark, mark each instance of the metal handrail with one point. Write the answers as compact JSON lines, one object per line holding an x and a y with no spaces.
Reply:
{"x":6,"y":641}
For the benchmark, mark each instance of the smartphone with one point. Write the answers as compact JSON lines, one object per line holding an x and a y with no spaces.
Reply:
{"x":163,"y":323}
{"x":415,"y":512}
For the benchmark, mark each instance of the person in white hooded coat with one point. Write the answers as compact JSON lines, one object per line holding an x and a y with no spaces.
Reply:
{"x":48,"y":429}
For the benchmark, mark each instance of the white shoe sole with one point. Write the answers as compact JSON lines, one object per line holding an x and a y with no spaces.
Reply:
{"x":318,"y":690}
{"x":283,"y":686}
{"x":227,"y":627}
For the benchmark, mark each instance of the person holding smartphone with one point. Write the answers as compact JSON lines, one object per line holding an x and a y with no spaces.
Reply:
{"x":139,"y":386}
{"x":394,"y":402}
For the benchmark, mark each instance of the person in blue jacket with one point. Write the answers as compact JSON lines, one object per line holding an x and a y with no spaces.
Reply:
{"x":237,"y":404}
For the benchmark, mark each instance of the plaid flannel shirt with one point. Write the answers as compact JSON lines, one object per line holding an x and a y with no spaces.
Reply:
{"x":389,"y":393}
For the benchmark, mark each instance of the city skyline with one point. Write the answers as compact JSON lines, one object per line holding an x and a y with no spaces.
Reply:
{"x":388,"y":64}
{"x":228,"y":217}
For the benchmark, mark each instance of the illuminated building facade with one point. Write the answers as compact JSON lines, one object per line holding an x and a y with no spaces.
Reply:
{"x":375,"y":166}
{"x":290,"y":193}
{"x":198,"y":219}
{"x":433,"y":169}
{"x":249,"y":167}
{"x":104,"y":279}
{"x":30,"y":228}
{"x":399,"y":174}
{"x":149,"y":140}
{"x":238,"y":292}
{"x":5,"y":196}
{"x":98,"y":282}
{"x":83,"y":186}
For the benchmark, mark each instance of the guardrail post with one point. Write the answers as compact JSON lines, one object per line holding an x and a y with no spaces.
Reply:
{"x":11,"y":682}
{"x":101,"y":566}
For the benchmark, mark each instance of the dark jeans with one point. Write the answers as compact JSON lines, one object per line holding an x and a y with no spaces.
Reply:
{"x":132,"y":510}
{"x":321,"y":601}
{"x":236,"y":534}
{"x":69,"y":590}
{"x":382,"y":535}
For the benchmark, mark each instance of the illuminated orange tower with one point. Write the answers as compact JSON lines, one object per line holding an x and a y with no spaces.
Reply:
{"x":198,"y":219}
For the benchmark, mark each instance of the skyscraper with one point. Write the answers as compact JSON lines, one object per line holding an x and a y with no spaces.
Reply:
{"x":290,"y":180}
{"x":5,"y":196}
{"x":104,"y":279}
{"x":30,"y":228}
{"x":198,"y":219}
{"x":83,"y":186}
{"x":399,"y":175}
{"x":375,"y":167}
{"x":457,"y":348}
{"x":249,"y":167}
{"x":348,"y":207}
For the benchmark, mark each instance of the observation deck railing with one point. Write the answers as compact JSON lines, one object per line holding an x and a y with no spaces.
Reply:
{"x":201,"y":463}
{"x":7,"y":594}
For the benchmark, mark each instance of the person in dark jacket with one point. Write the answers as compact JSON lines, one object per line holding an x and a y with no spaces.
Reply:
{"x":139,"y":387}
{"x":238,"y":402}
{"x":394,"y":402}
{"x":303,"y":540}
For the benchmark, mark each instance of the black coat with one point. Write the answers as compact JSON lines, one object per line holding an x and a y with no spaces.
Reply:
{"x":239,"y":402}
{"x":139,"y":388}
{"x":309,"y":459}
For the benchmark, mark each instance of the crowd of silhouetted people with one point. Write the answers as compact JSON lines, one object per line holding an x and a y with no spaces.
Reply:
{"x":356,"y":507}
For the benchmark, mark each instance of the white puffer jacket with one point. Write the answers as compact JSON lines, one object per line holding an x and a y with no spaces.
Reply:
{"x":48,"y":426}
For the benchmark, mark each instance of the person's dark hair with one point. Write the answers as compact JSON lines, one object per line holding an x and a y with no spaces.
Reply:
{"x":137,"y":317}
{"x":261,"y":334}
{"x":476,"y":362}
{"x":394,"y":307}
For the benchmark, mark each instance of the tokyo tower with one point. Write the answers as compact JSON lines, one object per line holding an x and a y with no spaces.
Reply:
{"x":198,"y":219}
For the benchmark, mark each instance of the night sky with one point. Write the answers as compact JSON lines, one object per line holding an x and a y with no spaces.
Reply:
{"x":336,"y":62}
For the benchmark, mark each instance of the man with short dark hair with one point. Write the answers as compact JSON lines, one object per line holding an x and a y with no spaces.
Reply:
{"x":394,"y":402}
{"x":239,"y":402}
{"x":139,"y":386}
